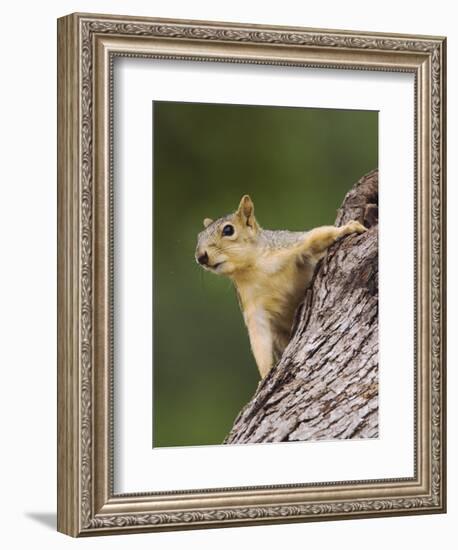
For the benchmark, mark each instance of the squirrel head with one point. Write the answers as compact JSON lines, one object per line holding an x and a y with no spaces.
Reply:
{"x":227,"y":245}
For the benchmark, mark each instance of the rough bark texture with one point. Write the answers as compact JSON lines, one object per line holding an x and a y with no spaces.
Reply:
{"x":326,"y":384}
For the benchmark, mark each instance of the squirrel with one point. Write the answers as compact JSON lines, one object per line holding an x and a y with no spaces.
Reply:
{"x":270,"y":271}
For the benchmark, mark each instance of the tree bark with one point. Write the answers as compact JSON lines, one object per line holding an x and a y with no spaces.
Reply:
{"x":326,"y":384}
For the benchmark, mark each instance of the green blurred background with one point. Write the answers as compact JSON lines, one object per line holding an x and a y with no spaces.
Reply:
{"x":297,"y":164}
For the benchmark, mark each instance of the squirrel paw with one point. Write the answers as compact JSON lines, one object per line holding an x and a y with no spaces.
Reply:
{"x":354,"y":227}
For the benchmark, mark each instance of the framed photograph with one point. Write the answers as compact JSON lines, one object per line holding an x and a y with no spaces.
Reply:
{"x":251,"y":289}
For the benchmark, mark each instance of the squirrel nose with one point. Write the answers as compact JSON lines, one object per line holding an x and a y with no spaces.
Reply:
{"x":203,"y":259}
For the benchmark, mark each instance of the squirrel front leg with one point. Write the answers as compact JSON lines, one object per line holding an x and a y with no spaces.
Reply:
{"x":315,"y":242}
{"x":318,"y":240}
{"x":261,"y":339}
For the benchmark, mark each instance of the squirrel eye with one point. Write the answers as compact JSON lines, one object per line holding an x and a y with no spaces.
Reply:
{"x":228,"y":230}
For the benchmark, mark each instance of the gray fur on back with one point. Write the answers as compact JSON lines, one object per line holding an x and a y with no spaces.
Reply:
{"x":280,"y":238}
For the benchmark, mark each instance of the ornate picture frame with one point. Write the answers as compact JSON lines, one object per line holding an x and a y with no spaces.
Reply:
{"x":87,"y":46}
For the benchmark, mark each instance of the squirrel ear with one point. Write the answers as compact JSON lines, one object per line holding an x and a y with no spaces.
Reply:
{"x":246,"y":210}
{"x":207,"y":222}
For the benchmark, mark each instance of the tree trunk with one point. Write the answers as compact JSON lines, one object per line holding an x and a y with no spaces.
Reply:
{"x":326,"y":384}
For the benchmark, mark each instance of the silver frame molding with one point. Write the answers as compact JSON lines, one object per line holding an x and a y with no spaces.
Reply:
{"x":87,"y":45}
